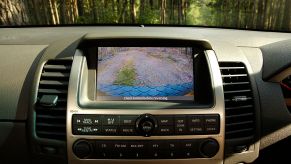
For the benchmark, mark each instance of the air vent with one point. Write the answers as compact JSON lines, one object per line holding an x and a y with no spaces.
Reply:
{"x":51,"y":103}
{"x":239,"y":105}
{"x":286,"y":88}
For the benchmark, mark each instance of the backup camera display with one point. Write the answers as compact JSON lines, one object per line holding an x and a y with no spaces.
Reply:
{"x":145,"y":73}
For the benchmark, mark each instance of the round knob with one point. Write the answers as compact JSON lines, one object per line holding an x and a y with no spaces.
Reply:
{"x":82,"y":149}
{"x":209,"y":148}
{"x":146,"y":124}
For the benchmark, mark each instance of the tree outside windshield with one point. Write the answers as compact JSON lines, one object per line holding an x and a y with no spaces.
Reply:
{"x":245,"y":14}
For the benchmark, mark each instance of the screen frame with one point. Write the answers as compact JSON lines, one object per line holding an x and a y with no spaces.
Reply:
{"x":88,"y":83}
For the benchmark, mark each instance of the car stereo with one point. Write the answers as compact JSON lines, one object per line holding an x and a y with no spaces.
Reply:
{"x":144,"y":99}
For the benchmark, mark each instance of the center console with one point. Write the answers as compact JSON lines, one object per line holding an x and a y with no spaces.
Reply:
{"x":145,"y":100}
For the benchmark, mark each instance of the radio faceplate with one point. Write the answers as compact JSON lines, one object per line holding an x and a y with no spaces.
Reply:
{"x":204,"y":136}
{"x":145,"y":149}
{"x":145,"y":125}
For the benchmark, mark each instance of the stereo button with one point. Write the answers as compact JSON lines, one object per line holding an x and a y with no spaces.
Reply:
{"x":110,"y":120}
{"x":197,"y":129}
{"x":104,"y":145}
{"x":157,"y":145}
{"x":180,"y":130}
{"x":86,"y":130}
{"x":212,"y":119}
{"x":110,"y":130}
{"x":190,"y":154}
{"x":127,"y":130}
{"x":146,"y":125}
{"x":188,"y":144}
{"x":180,"y":125}
{"x":173,"y":145}
{"x":189,"y":148}
{"x":165,"y":130}
{"x":165,"y":120}
{"x":172,"y":154}
{"x":121,"y":145}
{"x":212,"y":129}
{"x":82,"y":119}
{"x":163,"y":154}
{"x":137,"y":146}
{"x":155,"y":154}
{"x":196,"y":120}
{"x":180,"y":120}
{"x":127,"y":120}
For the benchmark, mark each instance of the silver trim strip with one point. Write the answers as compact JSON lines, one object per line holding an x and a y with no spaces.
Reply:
{"x":79,"y":77}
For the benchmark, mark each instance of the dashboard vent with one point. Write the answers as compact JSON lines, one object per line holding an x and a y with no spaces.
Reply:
{"x":239,"y":105}
{"x":286,"y":88}
{"x":51,"y":103}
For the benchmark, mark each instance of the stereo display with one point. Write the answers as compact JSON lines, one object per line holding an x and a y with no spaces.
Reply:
{"x":145,"y":74}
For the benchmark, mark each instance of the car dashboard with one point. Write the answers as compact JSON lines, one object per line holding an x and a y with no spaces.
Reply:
{"x":67,"y":94}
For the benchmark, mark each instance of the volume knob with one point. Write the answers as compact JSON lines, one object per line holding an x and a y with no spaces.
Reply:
{"x":146,"y":124}
{"x":209,"y":148}
{"x":82,"y":149}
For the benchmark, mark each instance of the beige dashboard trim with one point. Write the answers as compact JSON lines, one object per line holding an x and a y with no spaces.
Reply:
{"x":79,"y":69}
{"x":281,"y":76}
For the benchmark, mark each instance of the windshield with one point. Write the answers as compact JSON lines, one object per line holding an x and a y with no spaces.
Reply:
{"x":274,"y":15}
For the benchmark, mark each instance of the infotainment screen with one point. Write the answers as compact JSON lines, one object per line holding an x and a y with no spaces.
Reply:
{"x":145,"y":74}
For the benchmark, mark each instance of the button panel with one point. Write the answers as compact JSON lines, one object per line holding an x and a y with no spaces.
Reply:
{"x":125,"y":125}
{"x":146,"y":149}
